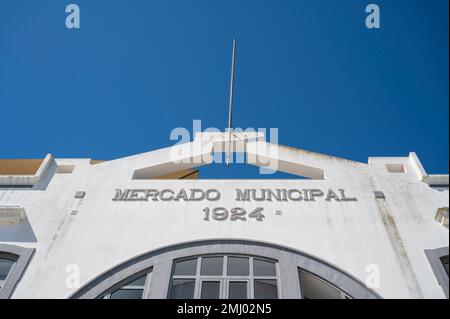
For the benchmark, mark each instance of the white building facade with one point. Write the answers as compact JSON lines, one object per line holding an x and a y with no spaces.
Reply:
{"x":136,"y":227}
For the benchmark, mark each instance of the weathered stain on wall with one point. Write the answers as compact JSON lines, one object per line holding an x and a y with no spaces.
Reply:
{"x":400,"y":251}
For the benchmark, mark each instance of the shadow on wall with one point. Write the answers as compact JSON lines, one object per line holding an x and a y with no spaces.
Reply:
{"x":20,"y":233}
{"x":48,"y":175}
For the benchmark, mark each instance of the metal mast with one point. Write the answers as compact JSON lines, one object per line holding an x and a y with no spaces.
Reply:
{"x":230,"y":111}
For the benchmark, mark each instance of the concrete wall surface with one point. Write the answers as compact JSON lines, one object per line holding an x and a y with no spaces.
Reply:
{"x":96,"y":233}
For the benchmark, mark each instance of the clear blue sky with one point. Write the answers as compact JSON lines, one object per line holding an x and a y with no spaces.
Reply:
{"x":137,"y":69}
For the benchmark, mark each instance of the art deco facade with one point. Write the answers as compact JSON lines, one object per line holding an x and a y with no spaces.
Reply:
{"x":146,"y":226}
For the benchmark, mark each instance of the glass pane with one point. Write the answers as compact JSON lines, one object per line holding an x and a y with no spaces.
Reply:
{"x":263,"y":268}
{"x":212,"y":266}
{"x":5,"y":267}
{"x":127,"y":294}
{"x":210,"y":290}
{"x":182,"y":289}
{"x":315,"y":288}
{"x":266,"y":289}
{"x":138,"y":282}
{"x":445,"y":263}
{"x":186,"y":267}
{"x":237,"y":266}
{"x":237,"y":290}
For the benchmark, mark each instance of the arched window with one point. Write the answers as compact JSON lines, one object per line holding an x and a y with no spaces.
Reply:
{"x":13,"y":262}
{"x":314,"y":287}
{"x":134,"y":288}
{"x":225,"y":269}
{"x":6,"y":264}
{"x":224,"y":277}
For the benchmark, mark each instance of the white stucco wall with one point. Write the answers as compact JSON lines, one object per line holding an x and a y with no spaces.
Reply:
{"x":350,"y":235}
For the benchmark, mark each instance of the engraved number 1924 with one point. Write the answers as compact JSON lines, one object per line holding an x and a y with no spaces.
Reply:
{"x":236,"y":213}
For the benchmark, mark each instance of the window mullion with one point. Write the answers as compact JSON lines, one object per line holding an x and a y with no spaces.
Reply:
{"x":252,"y":290}
{"x":133,"y":287}
{"x":224,"y":279}
{"x":197,"y":291}
{"x":223,"y":282}
{"x":147,"y":284}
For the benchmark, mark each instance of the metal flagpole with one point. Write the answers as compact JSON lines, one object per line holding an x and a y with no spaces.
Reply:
{"x":230,"y":111}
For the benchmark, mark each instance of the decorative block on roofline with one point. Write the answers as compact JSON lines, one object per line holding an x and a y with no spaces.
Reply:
{"x":27,"y":179}
{"x":442,"y":216}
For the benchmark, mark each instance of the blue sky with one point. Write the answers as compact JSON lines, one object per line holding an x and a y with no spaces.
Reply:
{"x":137,"y":69}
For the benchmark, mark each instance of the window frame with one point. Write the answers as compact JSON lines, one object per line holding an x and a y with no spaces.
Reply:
{"x":124,"y":284}
{"x":22,"y":257}
{"x":225,"y":279}
{"x":435,"y":259}
{"x":161,"y":261}
{"x":13,"y":258}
